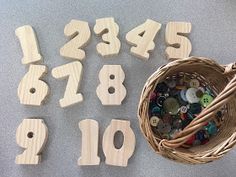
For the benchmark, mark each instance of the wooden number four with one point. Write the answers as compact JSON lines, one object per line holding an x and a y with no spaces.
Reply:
{"x":32,"y":136}
{"x":111,"y":91}
{"x":109,"y":31}
{"x":29,"y":44}
{"x":142,"y":38}
{"x":80,"y":34}
{"x":179,"y":46}
{"x":74,"y":72}
{"x":32,"y":90}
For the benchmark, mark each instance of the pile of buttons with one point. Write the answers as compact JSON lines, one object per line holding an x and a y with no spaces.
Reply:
{"x":175,"y":103}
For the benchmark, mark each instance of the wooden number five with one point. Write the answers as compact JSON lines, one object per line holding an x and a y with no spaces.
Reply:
{"x":109,"y":31}
{"x":80,"y":34}
{"x":32,"y":135}
{"x":74,"y":72}
{"x":142,"y":38}
{"x":179,"y":46}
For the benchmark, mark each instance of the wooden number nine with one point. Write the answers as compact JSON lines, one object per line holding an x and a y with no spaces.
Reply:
{"x":74,"y":72}
{"x":142,"y":38}
{"x":109,"y":31}
{"x":32,"y":135}
{"x":80,"y":34}
{"x":29,"y":44}
{"x":32,"y":90}
{"x":179,"y":46}
{"x":89,"y":129}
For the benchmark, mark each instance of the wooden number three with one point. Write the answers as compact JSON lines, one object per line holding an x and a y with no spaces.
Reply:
{"x":142,"y":38}
{"x":80,"y":34}
{"x":73,"y":71}
{"x":29,"y":44}
{"x":32,"y":135}
{"x":179,"y":45}
{"x":109,"y":31}
{"x":89,"y":129}
{"x":111,"y":91}
{"x":32,"y":90}
{"x":118,"y":157}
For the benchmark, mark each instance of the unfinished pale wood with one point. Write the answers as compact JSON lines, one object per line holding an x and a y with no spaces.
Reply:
{"x":32,"y":90}
{"x":109,"y":29}
{"x":29,"y":44}
{"x":114,"y":156}
{"x":179,"y":46}
{"x":79,"y":33}
{"x":31,"y":135}
{"x":89,"y":150}
{"x":111,"y":91}
{"x":142,"y":37}
{"x":73,"y":71}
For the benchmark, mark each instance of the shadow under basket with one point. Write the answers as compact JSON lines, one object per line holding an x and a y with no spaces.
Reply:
{"x":222,"y":80}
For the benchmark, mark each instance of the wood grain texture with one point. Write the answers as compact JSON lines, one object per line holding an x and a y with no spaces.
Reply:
{"x":142,"y":37}
{"x":111,"y":91}
{"x":178,"y":46}
{"x":32,"y":90}
{"x":31,"y":135}
{"x":73,"y":71}
{"x":109,"y":30}
{"x":29,"y":44}
{"x":118,"y":157}
{"x":89,"y":150}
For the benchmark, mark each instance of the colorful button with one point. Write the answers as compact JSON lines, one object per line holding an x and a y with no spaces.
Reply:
{"x":161,"y":87}
{"x":163,"y":127}
{"x":160,"y":100}
{"x":191,"y":95}
{"x":206,"y":100}
{"x":195,"y":108}
{"x":156,"y":110}
{"x":154,"y":121}
{"x":153,"y":96}
{"x":194,"y":83}
{"x":171,"y":106}
{"x":183,"y":95}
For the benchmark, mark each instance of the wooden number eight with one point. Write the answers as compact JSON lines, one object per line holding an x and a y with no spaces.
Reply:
{"x":80,"y":34}
{"x":32,"y":135}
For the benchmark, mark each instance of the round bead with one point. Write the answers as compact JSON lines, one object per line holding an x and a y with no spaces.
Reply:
{"x":171,"y":106}
{"x":191,"y":95}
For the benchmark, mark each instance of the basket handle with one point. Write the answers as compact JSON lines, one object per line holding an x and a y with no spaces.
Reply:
{"x":207,"y":114}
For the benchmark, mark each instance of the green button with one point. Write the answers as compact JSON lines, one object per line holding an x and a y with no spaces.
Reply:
{"x":206,"y":100}
{"x":171,"y":106}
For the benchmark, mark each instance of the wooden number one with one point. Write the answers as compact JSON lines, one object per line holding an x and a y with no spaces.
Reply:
{"x":114,"y":156}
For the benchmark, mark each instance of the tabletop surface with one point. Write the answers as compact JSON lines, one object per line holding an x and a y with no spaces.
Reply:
{"x":212,"y":36}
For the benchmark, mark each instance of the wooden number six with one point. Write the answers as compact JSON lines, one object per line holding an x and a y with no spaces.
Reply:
{"x":74,"y":72}
{"x":142,"y":38}
{"x":32,"y":90}
{"x":109,"y":31}
{"x":179,"y":46}
{"x":32,"y":135}
{"x":111,"y":91}
{"x":80,"y":33}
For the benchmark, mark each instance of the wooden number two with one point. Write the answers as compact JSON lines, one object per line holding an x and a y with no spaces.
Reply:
{"x":109,"y":31}
{"x":114,"y":156}
{"x":32,"y":90}
{"x":29,"y":44}
{"x":80,"y":34}
{"x":74,"y":72}
{"x":111,"y":91}
{"x":32,"y":135}
{"x":179,"y":46}
{"x":142,"y":38}
{"x":89,"y":129}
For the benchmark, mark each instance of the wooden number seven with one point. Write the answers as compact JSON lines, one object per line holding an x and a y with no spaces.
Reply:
{"x":80,"y":34}
{"x":142,"y":38}
{"x":74,"y":72}
{"x":32,"y":135}
{"x":179,"y":46}
{"x":109,"y":31}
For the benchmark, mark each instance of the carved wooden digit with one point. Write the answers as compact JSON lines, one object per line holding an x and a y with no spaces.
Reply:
{"x":32,"y":90}
{"x":74,"y":72}
{"x":89,"y":129}
{"x":109,"y":31}
{"x":142,"y":38}
{"x":179,"y":46}
{"x":29,"y":44}
{"x":118,"y":157}
{"x":80,"y":34}
{"x":111,"y":91}
{"x":32,"y":136}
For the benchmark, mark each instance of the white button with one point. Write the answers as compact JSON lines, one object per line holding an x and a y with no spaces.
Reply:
{"x":183,"y":109}
{"x":154,"y":121}
{"x":191,"y":95}
{"x":194,"y":83}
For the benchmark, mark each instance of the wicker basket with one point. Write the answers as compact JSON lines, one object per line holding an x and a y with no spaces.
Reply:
{"x":222,"y":80}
